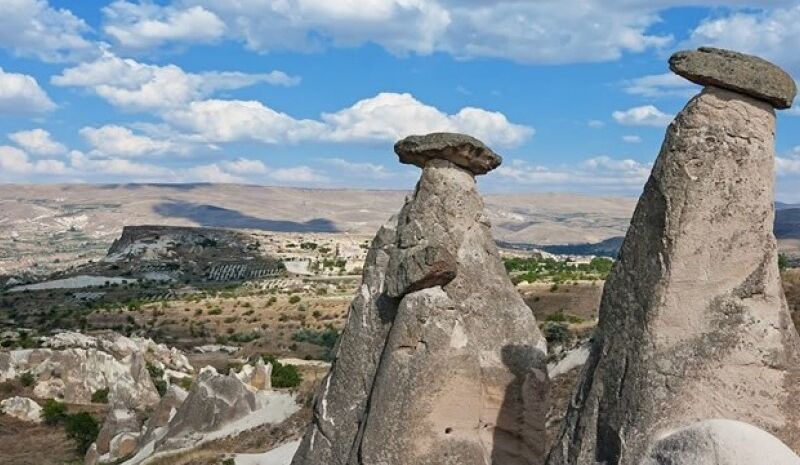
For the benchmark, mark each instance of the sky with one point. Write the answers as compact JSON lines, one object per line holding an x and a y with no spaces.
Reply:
{"x":575,"y":94}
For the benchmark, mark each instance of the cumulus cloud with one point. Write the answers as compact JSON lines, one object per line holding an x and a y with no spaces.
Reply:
{"x":130,"y":85}
{"x":766,"y":33}
{"x":16,"y":161}
{"x":20,"y":94}
{"x":600,"y":173}
{"x":248,"y":171}
{"x":660,"y":85}
{"x":631,"y":139}
{"x":788,"y":164}
{"x":145,"y":25}
{"x":390,"y":116}
{"x":646,"y":115}
{"x":38,"y":142}
{"x":119,"y":141}
{"x":529,"y":32}
{"x":371,"y":170}
{"x":34,"y":28}
{"x":385,"y":117}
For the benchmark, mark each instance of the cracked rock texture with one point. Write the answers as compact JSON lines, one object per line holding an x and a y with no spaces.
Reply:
{"x":441,"y":362}
{"x":693,"y":324}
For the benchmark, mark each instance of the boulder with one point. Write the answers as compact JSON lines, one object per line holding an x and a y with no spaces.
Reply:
{"x":720,"y":442}
{"x":118,"y":421}
{"x":22,"y":408}
{"x":745,"y":74}
{"x":258,"y":376}
{"x":460,"y":149}
{"x":440,"y":360}
{"x":693,"y":322}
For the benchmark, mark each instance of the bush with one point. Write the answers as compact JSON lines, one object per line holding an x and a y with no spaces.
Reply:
{"x":157,"y":376}
{"x":783,"y":262}
{"x":83,"y":429}
{"x":229,"y":461}
{"x":27,"y":379}
{"x":294,"y":299}
{"x":557,"y":333}
{"x":54,"y":412}
{"x":283,"y":376}
{"x":100,"y":396}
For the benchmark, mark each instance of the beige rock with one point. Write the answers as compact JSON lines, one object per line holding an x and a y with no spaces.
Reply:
{"x":22,"y":408}
{"x":693,"y":323}
{"x":451,"y":358}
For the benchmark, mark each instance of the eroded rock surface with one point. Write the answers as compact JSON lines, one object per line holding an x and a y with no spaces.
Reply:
{"x":464,"y":151}
{"x":738,"y":72}
{"x":22,"y":408}
{"x":441,"y":362}
{"x":693,"y":323}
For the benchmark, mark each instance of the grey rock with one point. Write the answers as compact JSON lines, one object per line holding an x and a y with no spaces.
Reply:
{"x":720,"y":442}
{"x":693,"y":321}
{"x":463,"y":150}
{"x":738,"y":72}
{"x":441,"y":361}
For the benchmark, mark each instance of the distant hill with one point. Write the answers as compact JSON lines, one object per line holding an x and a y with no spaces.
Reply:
{"x":70,"y":223}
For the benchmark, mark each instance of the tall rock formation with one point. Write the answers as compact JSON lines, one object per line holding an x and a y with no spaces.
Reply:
{"x":440,"y":362}
{"x":694,"y":325}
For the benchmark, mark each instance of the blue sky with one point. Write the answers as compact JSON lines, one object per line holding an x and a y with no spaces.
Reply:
{"x":575,"y":94}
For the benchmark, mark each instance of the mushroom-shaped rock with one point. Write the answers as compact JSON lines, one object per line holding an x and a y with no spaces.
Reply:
{"x":738,"y":72}
{"x":460,"y":149}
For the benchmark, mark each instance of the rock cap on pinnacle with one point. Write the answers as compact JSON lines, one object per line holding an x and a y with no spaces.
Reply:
{"x":460,"y":149}
{"x":738,"y":72}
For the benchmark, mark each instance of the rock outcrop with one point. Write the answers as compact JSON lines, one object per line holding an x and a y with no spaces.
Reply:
{"x":22,"y":408}
{"x":216,"y":406}
{"x":693,"y":323}
{"x":73,"y":366}
{"x":440,"y":362}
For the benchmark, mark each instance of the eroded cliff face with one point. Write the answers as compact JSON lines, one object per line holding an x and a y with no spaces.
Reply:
{"x":441,"y":361}
{"x":694,"y":324}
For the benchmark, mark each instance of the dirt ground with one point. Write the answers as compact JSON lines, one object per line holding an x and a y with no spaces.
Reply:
{"x":580,"y":299}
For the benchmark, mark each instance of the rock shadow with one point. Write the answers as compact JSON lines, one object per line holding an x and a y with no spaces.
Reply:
{"x":520,"y":436}
{"x":212,"y":216}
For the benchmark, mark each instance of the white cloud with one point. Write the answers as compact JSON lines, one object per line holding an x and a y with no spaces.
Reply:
{"x":661,"y":85}
{"x":632,"y":139}
{"x":385,"y":117}
{"x":603,"y":173}
{"x":595,"y":124}
{"x":788,"y":164}
{"x":131,"y":85}
{"x":244,"y":166}
{"x":647,"y":115}
{"x":119,"y":167}
{"x":16,"y":161}
{"x":364,"y":169}
{"x":772,"y":34}
{"x":231,"y":120}
{"x":531,"y":32}
{"x":37,"y":141}
{"x":34,"y":28}
{"x":20,"y":94}
{"x":390,"y":116}
{"x":118,"y":141}
{"x":210,"y":173}
{"x":145,"y":25}
{"x":298,"y":174}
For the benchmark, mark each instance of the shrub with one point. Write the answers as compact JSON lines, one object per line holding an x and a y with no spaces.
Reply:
{"x":229,"y":461}
{"x":83,"y":429}
{"x":783,"y":262}
{"x":283,"y":376}
{"x":294,"y":299}
{"x":27,"y":379}
{"x":157,"y":376}
{"x":100,"y":396}
{"x":326,"y":338}
{"x":557,"y":333}
{"x":54,"y":412}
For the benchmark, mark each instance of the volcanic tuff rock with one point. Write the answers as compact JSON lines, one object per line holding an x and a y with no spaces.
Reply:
{"x":22,"y":408}
{"x":738,"y":72}
{"x":693,"y":323}
{"x":440,"y":361}
{"x":464,"y":151}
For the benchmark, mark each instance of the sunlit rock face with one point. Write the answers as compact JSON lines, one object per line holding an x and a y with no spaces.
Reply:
{"x":693,"y":323}
{"x":441,"y":362}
